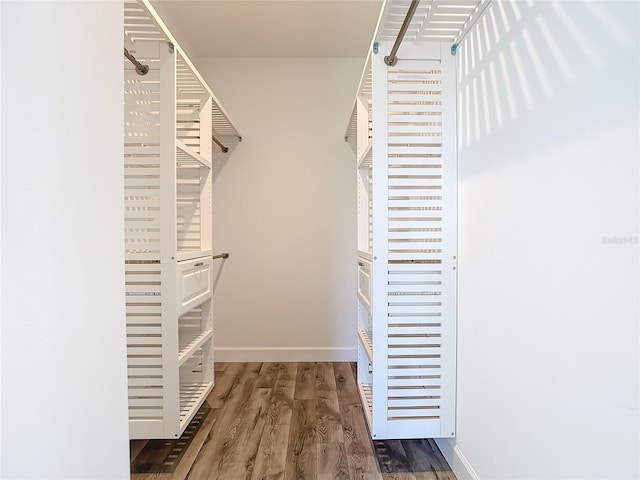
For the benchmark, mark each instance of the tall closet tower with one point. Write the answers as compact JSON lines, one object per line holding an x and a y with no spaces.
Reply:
{"x":404,"y":124}
{"x":176,"y":136}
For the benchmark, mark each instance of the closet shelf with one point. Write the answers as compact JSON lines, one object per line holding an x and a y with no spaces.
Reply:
{"x":191,"y":339}
{"x":366,"y":394}
{"x":191,"y":397}
{"x":365,"y":89}
{"x":367,"y":344}
{"x":221,"y":124}
{"x":138,"y":25}
{"x":435,"y":21}
{"x":366,"y":158}
{"x":365,"y":255}
{"x":187,"y":156}
{"x":352,"y":125}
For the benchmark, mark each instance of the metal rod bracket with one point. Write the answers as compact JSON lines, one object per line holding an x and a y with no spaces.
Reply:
{"x":391,"y":61}
{"x":454,"y":49}
{"x":140,"y":68}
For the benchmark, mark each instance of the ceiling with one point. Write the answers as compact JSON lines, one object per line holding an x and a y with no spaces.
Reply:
{"x":272,"y":28}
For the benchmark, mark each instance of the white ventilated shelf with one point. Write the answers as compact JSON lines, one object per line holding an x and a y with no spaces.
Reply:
{"x":365,"y":255}
{"x":226,"y":134}
{"x":364,"y":90}
{"x":366,"y":395}
{"x":435,"y":21}
{"x":365,"y":160}
{"x":352,"y":125}
{"x":220,"y":124}
{"x":186,"y":155}
{"x":367,"y":344}
{"x":139,"y":26}
{"x":191,"y":339}
{"x":192,"y":395}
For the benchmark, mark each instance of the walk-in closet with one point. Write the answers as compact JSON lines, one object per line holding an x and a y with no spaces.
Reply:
{"x":320,"y":239}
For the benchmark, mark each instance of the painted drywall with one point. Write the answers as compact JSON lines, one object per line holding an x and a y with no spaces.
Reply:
{"x":548,"y":243}
{"x":284,"y":208}
{"x":64,"y":391}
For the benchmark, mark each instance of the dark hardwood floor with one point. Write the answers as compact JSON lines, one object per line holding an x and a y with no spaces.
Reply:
{"x":268,"y":421}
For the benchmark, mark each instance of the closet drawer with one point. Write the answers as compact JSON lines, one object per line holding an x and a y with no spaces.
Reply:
{"x":364,"y":282}
{"x":194,"y":280}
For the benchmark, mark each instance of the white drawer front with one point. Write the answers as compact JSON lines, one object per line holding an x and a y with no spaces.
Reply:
{"x":364,"y":282}
{"x":194,"y":283}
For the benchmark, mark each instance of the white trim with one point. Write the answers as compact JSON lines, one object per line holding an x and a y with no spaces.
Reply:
{"x":456,"y":459}
{"x":286,"y":354}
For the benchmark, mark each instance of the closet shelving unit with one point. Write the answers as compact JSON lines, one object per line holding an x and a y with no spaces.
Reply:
{"x":404,"y":124}
{"x":360,"y":128}
{"x":170,"y":161}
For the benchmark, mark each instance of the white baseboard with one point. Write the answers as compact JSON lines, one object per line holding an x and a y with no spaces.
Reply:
{"x":456,"y":459}
{"x":285,"y":354}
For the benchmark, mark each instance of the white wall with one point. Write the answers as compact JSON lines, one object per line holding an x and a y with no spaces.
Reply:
{"x":284,"y":210}
{"x":64,"y":392}
{"x":548,"y":305}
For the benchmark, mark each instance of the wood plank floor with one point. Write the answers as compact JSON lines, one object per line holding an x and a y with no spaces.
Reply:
{"x":290,"y":421}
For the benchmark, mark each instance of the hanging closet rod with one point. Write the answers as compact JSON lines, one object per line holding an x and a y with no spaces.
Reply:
{"x":222,"y":147}
{"x":140,"y":68}
{"x":391,"y":59}
{"x":222,"y":255}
